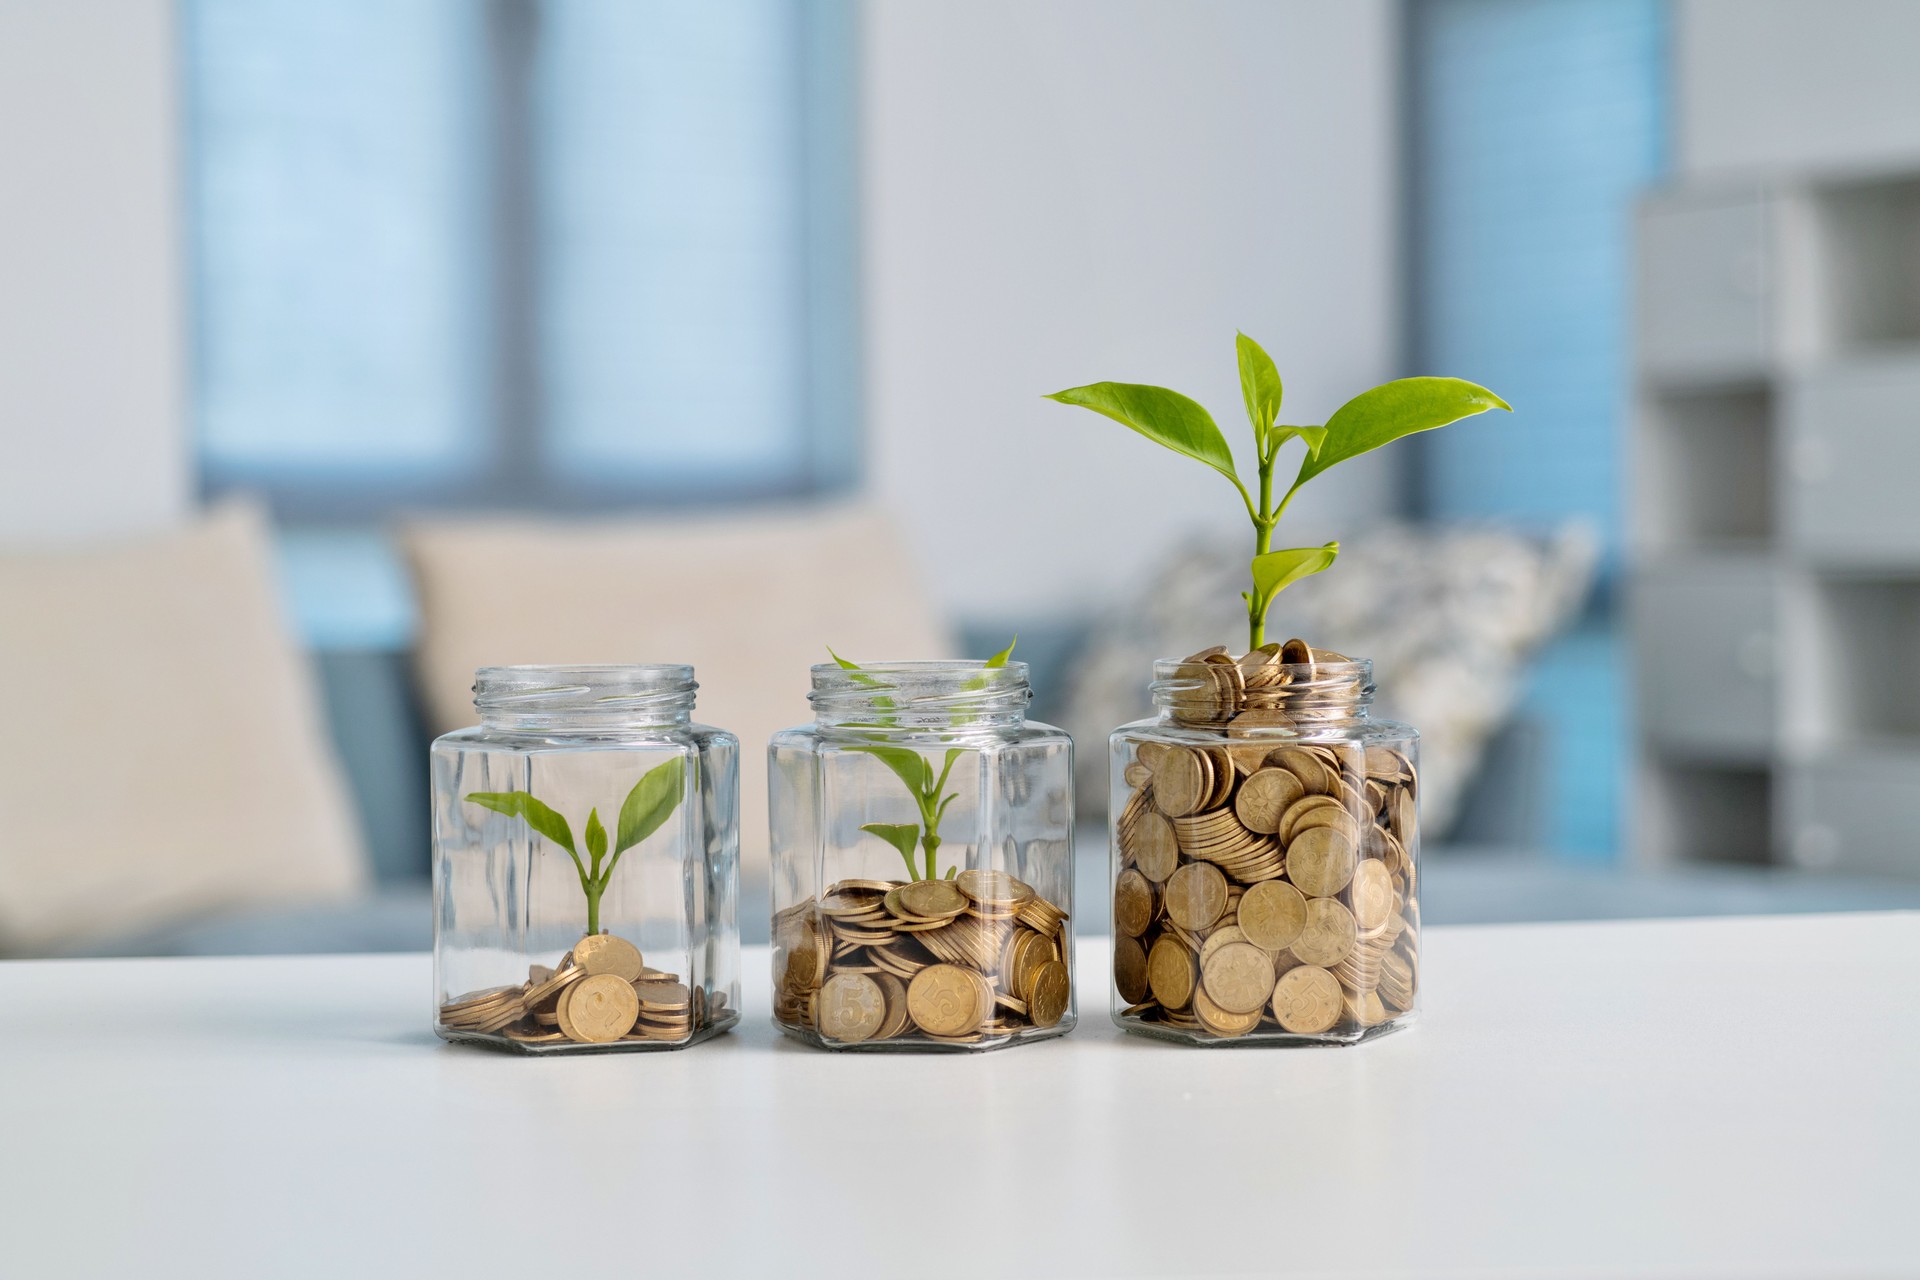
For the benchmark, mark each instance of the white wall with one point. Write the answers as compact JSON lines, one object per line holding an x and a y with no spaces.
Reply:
{"x":1796,"y":84}
{"x":91,"y":315}
{"x":1064,"y":191}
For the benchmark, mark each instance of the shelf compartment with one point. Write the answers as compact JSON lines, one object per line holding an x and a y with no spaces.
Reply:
{"x":1688,"y":811}
{"x":1706,"y":462}
{"x":1867,"y":264}
{"x":1705,"y":636}
{"x":1855,"y":810}
{"x":1702,"y":286}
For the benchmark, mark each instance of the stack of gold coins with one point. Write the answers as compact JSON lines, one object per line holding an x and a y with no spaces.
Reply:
{"x":980,"y":959}
{"x":601,"y":992}
{"x":1265,"y":889}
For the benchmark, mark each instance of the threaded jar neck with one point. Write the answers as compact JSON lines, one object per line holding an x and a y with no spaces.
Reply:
{"x":584,"y":699}
{"x":915,"y":696}
{"x":1278,"y":696}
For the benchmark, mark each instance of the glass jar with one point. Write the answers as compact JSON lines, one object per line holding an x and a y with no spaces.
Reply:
{"x":560,"y":928}
{"x":1265,"y":842}
{"x":922,"y":845}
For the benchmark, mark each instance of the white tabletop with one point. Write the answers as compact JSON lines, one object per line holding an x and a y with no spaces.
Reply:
{"x":1729,"y":1097}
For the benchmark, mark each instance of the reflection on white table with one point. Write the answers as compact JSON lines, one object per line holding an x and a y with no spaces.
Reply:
{"x":1728,"y":1098}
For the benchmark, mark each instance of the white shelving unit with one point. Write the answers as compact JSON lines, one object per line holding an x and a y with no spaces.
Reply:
{"x":1775,"y":600}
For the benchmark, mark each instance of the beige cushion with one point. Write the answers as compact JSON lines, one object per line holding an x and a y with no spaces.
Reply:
{"x":750,"y":602}
{"x":164,"y":756}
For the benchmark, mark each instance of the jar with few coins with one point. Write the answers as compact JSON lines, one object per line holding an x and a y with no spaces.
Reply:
{"x":586,"y":864}
{"x":1265,"y":848}
{"x":922,"y":862}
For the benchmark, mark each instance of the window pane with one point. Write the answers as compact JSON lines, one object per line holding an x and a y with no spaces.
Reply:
{"x":335,"y":175}
{"x":672,"y":310}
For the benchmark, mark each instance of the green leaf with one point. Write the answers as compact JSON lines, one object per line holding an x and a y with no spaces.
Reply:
{"x":1388,"y":412}
{"x":901,"y":835}
{"x":596,"y":836}
{"x":1163,"y":416}
{"x":1275,"y":571}
{"x":1314,"y":436}
{"x":1259,"y":386}
{"x":519,"y":804}
{"x":910,"y":765}
{"x":651,"y":802}
{"x":1000,"y":659}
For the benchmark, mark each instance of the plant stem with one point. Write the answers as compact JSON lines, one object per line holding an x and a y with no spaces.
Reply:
{"x":593,"y":891}
{"x":1263,"y":523}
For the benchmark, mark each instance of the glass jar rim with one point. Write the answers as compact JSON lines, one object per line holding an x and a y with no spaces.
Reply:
{"x":922,"y":693}
{"x":591,"y":689}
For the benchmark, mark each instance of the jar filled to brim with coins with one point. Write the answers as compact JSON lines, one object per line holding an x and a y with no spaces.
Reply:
{"x":586,"y":864}
{"x":922,"y":862}
{"x":1265,"y":842}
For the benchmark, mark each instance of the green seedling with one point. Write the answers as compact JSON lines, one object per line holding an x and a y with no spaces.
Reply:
{"x":647,"y":807}
{"x":1364,"y":423}
{"x":915,"y":771}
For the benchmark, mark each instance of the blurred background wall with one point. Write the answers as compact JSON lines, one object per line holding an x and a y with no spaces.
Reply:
{"x":575,"y":260}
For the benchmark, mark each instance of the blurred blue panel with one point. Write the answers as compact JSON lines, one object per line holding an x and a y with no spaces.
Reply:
{"x":338,"y":220}
{"x":1534,"y":126}
{"x":672,"y":206}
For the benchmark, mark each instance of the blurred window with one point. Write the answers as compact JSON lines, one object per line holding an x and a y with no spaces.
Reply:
{"x":519,"y":252}
{"x":1534,"y":126}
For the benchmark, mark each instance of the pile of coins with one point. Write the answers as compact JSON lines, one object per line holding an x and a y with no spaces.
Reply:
{"x":600,"y":993}
{"x":980,"y":958}
{"x":1266,"y":888}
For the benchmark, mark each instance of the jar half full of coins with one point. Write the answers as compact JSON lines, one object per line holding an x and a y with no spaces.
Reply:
{"x":922,"y":861}
{"x":1265,"y":849}
{"x":586,"y":864}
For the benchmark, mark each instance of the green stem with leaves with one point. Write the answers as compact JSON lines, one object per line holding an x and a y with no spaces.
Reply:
{"x":647,"y":806}
{"x":1366,"y":422}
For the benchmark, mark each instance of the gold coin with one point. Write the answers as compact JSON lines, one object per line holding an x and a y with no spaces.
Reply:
{"x":1195,"y":896}
{"x":1154,"y":847}
{"x":850,"y":1007}
{"x":895,"y":992}
{"x":1048,"y":994}
{"x":599,"y":953}
{"x":663,"y":996}
{"x":1170,"y":973}
{"x":1307,"y":1000}
{"x":1130,"y":969}
{"x":560,"y":1018}
{"x":1218,"y":1020}
{"x":1239,"y":977}
{"x":1372,"y":895}
{"x":993,"y":888}
{"x":1405,"y":816}
{"x":1132,"y":903}
{"x":1300,"y":809}
{"x":933,"y":899}
{"x":1217,"y":939}
{"x":1182,"y":781}
{"x":599,"y":1008}
{"x":946,"y":1000}
{"x":1272,"y":913}
{"x":1137,"y":774}
{"x":1265,"y":797}
{"x":1328,"y":934}
{"x":1320,"y":861}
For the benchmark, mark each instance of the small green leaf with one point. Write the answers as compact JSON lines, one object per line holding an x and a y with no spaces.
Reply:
{"x":911,"y":767}
{"x":596,"y":836}
{"x":1314,"y":436}
{"x":1388,"y":412}
{"x":1000,"y":659}
{"x":1259,"y":386}
{"x":519,"y":804}
{"x":1163,"y":416}
{"x":1275,"y":571}
{"x":951,"y":873}
{"x":901,"y":835}
{"x":651,"y":802}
